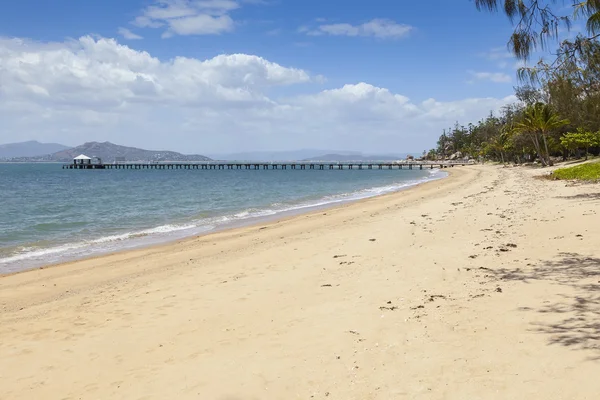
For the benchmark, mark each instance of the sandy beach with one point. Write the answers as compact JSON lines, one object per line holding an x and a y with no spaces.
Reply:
{"x":484,"y":285}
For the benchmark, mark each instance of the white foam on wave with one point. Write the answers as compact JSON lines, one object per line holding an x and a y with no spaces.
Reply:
{"x":170,"y":231}
{"x":279,"y":208}
{"x":101,"y":244}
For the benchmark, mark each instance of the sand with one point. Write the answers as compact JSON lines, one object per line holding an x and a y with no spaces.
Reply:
{"x":484,"y":285}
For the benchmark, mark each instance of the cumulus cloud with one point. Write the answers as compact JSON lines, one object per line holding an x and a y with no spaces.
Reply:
{"x":188,"y":17}
{"x":496,"y":77}
{"x":104,"y":73}
{"x":379,"y":28}
{"x":98,"y":89}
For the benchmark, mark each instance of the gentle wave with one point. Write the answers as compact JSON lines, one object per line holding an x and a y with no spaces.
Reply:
{"x":70,"y":251}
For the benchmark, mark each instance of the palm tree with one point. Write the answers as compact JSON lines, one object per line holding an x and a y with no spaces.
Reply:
{"x":537,"y":122}
{"x":501,"y":142}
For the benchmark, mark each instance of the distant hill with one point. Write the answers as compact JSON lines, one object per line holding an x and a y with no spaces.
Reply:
{"x":355,"y":157}
{"x":109,"y":151}
{"x":292,"y":155}
{"x":307,"y":155}
{"x":31,"y":148}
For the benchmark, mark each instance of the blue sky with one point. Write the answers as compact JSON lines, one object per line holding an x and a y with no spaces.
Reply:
{"x":411,"y":52}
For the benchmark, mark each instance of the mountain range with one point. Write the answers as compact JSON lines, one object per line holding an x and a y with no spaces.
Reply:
{"x":306,"y":155}
{"x":355,"y":157}
{"x":108,"y":152}
{"x":33,"y":151}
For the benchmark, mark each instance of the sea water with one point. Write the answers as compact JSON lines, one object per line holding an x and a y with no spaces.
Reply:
{"x":49,"y":215}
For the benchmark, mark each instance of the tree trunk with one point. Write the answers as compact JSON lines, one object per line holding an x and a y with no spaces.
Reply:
{"x":548,"y":161}
{"x":502,"y":157}
{"x":536,"y":145}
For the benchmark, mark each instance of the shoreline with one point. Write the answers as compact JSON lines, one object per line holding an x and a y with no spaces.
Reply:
{"x":151,"y":240}
{"x":481,"y":285}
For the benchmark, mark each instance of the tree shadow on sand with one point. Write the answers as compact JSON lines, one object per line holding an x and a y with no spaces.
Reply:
{"x":582,"y":196}
{"x":579,"y":327}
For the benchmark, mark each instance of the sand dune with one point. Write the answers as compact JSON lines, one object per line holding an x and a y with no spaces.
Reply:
{"x":485,"y":285}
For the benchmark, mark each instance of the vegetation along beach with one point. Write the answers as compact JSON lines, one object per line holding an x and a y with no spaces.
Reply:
{"x":267,"y":230}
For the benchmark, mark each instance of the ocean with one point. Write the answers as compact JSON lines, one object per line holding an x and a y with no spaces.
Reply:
{"x":50,"y":215}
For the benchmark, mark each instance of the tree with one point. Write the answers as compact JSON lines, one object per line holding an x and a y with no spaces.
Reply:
{"x":570,"y":141}
{"x":442,"y":144}
{"x":537,"y":122}
{"x":581,"y":139}
{"x":527,"y":94}
{"x":432,"y":155}
{"x":537,"y":22}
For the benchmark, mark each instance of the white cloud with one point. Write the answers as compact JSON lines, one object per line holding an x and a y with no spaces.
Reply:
{"x":496,"y":77}
{"x":379,"y":28}
{"x":97,"y":89}
{"x":127,"y":34}
{"x":188,"y":17}
{"x":500,"y":56}
{"x":498,"y":53}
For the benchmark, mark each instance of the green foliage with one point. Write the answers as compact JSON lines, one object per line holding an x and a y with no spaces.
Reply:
{"x":581,"y":139}
{"x":537,"y":22}
{"x":585,"y":172}
{"x":566,"y":101}
{"x":537,"y":122}
{"x":431,"y":155}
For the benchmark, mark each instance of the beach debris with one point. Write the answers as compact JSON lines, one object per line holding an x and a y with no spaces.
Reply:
{"x":435,"y":296}
{"x":499,"y":289}
{"x":339,"y":256}
{"x":503,"y":249}
{"x":578,"y":235}
{"x":326,"y":285}
{"x":473,"y":256}
{"x":417,"y":307}
{"x":372,"y":240}
{"x":514,"y":246}
{"x":354,"y":332}
{"x":392,"y":308}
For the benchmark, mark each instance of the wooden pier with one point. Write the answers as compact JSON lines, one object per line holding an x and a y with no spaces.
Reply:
{"x":217,"y":165}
